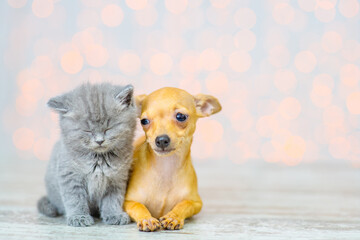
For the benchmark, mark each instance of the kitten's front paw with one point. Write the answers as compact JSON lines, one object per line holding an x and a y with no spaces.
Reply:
{"x":121,"y":219}
{"x":80,"y":220}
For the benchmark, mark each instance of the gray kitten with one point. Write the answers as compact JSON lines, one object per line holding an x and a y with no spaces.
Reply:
{"x":88,"y":170}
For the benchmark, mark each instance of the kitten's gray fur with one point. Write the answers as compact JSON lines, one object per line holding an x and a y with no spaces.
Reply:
{"x":84,"y":178}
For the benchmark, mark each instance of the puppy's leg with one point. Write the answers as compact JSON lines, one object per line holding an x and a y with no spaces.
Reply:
{"x":174,"y":220}
{"x":141,"y":215}
{"x":111,"y":210}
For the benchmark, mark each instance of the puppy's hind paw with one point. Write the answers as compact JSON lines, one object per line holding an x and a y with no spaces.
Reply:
{"x":120,"y":219}
{"x":80,"y":220}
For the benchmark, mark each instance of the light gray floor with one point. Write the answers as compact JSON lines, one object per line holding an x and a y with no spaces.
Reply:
{"x":251,"y":201}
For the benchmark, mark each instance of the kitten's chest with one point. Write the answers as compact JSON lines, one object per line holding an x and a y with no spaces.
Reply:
{"x":98,"y":177}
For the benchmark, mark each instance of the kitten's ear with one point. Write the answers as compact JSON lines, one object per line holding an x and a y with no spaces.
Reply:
{"x":58,"y":104}
{"x":139,"y":99}
{"x":206,"y":105}
{"x":126,"y":95}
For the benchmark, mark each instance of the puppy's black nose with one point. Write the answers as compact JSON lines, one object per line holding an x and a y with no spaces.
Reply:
{"x":162,"y":141}
{"x":99,"y":142}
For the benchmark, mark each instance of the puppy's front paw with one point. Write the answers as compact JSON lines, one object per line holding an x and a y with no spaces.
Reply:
{"x":80,"y":220}
{"x":148,"y":224}
{"x":171,"y":222}
{"x":120,"y":219}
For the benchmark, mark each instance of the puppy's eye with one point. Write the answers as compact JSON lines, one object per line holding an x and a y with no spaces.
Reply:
{"x":145,"y":121}
{"x":181,"y":117}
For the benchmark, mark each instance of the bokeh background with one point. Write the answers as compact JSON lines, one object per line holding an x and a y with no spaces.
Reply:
{"x":286,"y":72}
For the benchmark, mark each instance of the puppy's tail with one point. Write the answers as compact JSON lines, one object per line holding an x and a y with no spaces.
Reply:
{"x":45,"y":207}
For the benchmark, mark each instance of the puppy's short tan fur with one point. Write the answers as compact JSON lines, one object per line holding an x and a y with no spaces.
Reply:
{"x":162,"y":190}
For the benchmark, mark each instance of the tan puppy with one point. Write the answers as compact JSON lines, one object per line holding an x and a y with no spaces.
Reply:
{"x":163,"y":183}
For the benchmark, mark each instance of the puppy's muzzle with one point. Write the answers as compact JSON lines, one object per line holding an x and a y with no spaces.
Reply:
{"x":162,"y":141}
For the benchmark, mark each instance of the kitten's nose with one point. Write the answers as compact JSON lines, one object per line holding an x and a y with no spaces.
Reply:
{"x":99,"y":142}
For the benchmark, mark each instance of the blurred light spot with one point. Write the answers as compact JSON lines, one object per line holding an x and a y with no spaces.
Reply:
{"x":325,"y":12}
{"x":333,"y":116}
{"x":307,"y":5}
{"x":245,"y":18}
{"x":136,"y":4}
{"x":44,"y":46}
{"x":339,"y":147}
{"x":210,"y":131}
{"x":305,"y":61}
{"x":350,"y":75}
{"x":285,"y":80}
{"x":217,"y":83}
{"x":279,"y":56}
{"x":326,"y":4}
{"x":112,"y":15}
{"x":295,"y":147}
{"x":240,"y":61}
{"x":81,"y":40}
{"x":351,"y":50}
{"x":96,"y":55}
{"x":23,"y":138}
{"x":147,"y":16}
{"x":129,"y":63}
{"x":92,"y":3}
{"x":176,"y":6}
{"x":210,"y":59}
{"x":88,"y":18}
{"x":324,"y":80}
{"x":331,"y":42}
{"x":190,"y":63}
{"x":321,"y":95}
{"x":161,"y":63}
{"x":42,"y":149}
{"x":42,"y":67}
{"x":283,"y":14}
{"x":241,"y":151}
{"x":201,"y":151}
{"x":245,"y":40}
{"x":72,"y":62}
{"x":217,"y":16}
{"x":349,"y":8}
{"x":266,"y":125}
{"x":32,"y":88}
{"x":195,"y":3}
{"x":290,"y":108}
{"x":23,"y":76}
{"x":26,"y":105}
{"x":225,"y":44}
{"x":269,"y":153}
{"x":42,"y":8}
{"x":353,"y":103}
{"x":191,"y":85}
{"x":241,"y":120}
{"x":17,"y":3}
{"x":220,"y":3}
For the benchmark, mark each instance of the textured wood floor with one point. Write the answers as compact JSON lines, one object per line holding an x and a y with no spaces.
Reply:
{"x":251,"y":201}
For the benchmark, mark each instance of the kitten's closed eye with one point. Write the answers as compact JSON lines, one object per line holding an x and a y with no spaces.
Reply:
{"x":87,"y":131}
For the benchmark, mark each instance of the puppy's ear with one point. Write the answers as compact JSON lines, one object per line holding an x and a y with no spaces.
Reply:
{"x":126,"y":95}
{"x":139,"y":99}
{"x":59,"y":104}
{"x":206,"y":105}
